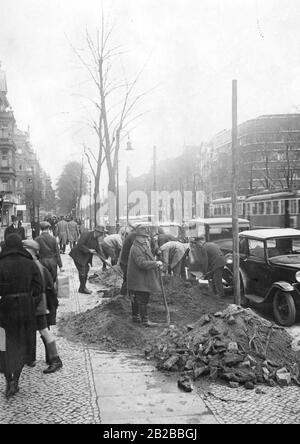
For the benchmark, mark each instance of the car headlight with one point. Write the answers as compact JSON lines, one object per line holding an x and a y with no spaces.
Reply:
{"x":297,"y":276}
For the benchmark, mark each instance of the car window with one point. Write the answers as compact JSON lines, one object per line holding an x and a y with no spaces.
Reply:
{"x":283,"y":246}
{"x":256,"y":248}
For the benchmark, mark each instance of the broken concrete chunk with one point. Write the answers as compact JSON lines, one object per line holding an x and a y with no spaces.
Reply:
{"x":249,"y":385}
{"x":283,"y":377}
{"x":185,"y":384}
{"x":233,"y":347}
{"x":214,"y":331}
{"x":233,"y":384}
{"x":201,"y":371}
{"x":204,"y":320}
{"x":232,"y":359}
{"x":170,"y":362}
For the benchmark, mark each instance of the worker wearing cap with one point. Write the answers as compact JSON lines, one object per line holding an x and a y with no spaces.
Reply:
{"x":49,"y":251}
{"x":210,"y":260}
{"x":142,"y":275}
{"x":82,"y":254}
{"x":173,"y":254}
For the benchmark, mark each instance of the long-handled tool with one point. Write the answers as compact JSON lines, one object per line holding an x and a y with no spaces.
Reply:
{"x":165,"y":299}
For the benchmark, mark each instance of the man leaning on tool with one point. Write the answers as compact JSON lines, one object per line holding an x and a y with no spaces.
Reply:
{"x":82,"y":254}
{"x":142,"y":276}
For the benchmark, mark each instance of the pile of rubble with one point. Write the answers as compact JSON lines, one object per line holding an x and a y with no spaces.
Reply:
{"x":234,"y":345}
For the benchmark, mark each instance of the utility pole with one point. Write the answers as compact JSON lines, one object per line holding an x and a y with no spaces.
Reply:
{"x":235,"y":214}
{"x":80,"y":192}
{"x":90,"y":204}
{"x":127,"y":195}
{"x":156,"y":216}
{"x":118,"y":196}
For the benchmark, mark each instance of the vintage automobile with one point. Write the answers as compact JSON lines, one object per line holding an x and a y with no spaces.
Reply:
{"x":217,"y":230}
{"x":269,"y":271}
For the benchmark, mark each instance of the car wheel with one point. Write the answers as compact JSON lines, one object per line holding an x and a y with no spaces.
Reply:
{"x":284,"y":308}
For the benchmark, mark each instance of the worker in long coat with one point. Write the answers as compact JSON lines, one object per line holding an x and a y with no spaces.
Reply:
{"x":124,"y":258}
{"x":63,"y":234}
{"x":210,"y":260}
{"x":142,"y":276}
{"x":172,"y":255}
{"x":82,"y":254}
{"x":20,"y":290}
{"x":73,"y":232}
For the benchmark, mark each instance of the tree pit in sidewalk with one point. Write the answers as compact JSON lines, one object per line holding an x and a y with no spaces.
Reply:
{"x":234,"y":345}
{"x":109,"y":325}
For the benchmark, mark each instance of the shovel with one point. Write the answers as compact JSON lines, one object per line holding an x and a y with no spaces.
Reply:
{"x":165,"y":300}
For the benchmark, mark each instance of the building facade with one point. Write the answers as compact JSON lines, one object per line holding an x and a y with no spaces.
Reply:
{"x":269,"y":156}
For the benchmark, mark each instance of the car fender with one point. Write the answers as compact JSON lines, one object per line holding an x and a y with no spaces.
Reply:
{"x":280,"y":285}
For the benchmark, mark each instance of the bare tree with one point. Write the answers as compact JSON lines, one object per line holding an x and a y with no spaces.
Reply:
{"x":115,"y":101}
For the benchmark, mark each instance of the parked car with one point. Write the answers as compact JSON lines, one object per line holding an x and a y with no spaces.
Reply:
{"x":269,"y":271}
{"x":217,"y":230}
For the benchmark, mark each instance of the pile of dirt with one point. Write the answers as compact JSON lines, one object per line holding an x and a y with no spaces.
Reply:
{"x":109,"y":325}
{"x":235,"y":345}
{"x":110,"y":278}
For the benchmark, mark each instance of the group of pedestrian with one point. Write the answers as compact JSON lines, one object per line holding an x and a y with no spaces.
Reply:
{"x":28,"y":302}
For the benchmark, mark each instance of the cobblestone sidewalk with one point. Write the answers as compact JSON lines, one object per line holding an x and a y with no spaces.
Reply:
{"x":65,"y":397}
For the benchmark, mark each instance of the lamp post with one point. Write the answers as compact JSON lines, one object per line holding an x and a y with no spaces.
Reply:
{"x":90,"y":204}
{"x":127,"y":149}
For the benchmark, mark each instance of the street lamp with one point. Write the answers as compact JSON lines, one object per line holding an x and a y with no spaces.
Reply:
{"x":127,"y":149}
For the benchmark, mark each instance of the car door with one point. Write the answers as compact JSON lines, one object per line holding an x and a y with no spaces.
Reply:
{"x":256,"y":267}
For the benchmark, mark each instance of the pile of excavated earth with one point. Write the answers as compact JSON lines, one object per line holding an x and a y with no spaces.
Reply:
{"x":208,"y":337}
{"x":234,"y":345}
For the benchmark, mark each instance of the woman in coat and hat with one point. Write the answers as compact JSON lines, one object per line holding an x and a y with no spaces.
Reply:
{"x":46,"y":310}
{"x":142,"y":276}
{"x":20,"y":290}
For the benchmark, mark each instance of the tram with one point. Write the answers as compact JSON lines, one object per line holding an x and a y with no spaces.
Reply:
{"x":278,"y":209}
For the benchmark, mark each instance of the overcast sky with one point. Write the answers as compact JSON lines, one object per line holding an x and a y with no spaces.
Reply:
{"x":190,"y":50}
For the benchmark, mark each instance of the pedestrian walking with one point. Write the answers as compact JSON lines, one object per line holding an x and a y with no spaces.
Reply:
{"x":63,"y":234}
{"x":73,"y":232}
{"x":35,"y":228}
{"x":209,"y":259}
{"x":46,"y":310}
{"x":82,"y":254}
{"x":20,"y":290}
{"x":15,"y":228}
{"x":142,"y":276}
{"x":173,"y":255}
{"x":49,"y":251}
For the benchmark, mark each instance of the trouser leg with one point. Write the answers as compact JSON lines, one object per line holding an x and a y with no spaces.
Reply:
{"x":218,"y":282}
{"x":47,"y":338}
{"x":135,"y":309}
{"x":142,"y":299}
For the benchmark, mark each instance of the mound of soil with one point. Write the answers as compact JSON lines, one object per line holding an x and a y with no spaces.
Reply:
{"x":109,"y":325}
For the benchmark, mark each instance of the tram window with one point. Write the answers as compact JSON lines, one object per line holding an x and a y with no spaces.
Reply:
{"x":275,"y":207}
{"x":261,"y":208}
{"x":268,"y":207}
{"x":254,"y":208}
{"x":293,"y":206}
{"x":249,"y":209}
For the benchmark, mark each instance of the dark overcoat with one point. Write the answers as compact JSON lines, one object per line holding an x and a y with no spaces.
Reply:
{"x":208,"y":256}
{"x":80,"y":252}
{"x":49,"y":253}
{"x":20,"y":291}
{"x":142,"y":273}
